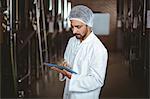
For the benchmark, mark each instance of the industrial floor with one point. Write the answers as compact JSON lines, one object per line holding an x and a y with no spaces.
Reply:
{"x":118,"y":83}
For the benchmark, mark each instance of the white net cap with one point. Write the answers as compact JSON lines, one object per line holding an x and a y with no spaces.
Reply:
{"x":83,"y":14}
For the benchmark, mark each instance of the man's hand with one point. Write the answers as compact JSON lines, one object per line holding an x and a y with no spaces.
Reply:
{"x":64,"y":72}
{"x":58,"y":70}
{"x":64,"y":63}
{"x":68,"y":74}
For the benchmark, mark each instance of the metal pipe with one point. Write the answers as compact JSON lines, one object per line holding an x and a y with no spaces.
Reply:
{"x":29,"y":66}
{"x":29,"y":62}
{"x":39,"y":35}
{"x":131,"y":7}
{"x":144,"y":16}
{"x":24,"y":77}
{"x":144,"y":34}
{"x":45,"y":38}
{"x":17,"y":15}
{"x":13,"y":63}
{"x":44,"y":30}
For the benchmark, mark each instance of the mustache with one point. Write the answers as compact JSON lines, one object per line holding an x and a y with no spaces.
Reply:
{"x":76,"y":34}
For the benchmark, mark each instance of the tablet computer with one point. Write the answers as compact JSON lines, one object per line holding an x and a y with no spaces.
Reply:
{"x":60,"y":67}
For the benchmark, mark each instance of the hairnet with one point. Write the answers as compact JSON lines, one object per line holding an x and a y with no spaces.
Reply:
{"x":83,"y":14}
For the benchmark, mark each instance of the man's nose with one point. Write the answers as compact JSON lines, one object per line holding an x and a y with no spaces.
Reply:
{"x":74,"y":30}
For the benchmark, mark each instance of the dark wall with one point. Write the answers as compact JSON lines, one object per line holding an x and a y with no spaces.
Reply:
{"x":0,"y":50}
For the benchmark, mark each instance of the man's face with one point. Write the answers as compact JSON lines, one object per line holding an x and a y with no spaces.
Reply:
{"x":79,"y":29}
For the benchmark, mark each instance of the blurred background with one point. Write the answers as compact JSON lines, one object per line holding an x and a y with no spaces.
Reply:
{"x":36,"y":31}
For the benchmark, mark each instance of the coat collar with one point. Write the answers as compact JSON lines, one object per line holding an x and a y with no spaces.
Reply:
{"x":89,"y":38}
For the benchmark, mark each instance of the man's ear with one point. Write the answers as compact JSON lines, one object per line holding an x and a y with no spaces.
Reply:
{"x":89,"y":28}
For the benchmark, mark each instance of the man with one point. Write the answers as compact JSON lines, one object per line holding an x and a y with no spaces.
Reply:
{"x":86,"y":55}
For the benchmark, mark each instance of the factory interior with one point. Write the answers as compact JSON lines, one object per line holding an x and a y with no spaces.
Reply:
{"x":33,"y":32}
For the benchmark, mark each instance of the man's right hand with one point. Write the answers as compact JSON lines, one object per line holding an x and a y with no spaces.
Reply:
{"x":64,"y":63}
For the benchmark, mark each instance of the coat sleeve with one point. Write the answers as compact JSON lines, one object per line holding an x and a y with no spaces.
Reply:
{"x":95,"y":78}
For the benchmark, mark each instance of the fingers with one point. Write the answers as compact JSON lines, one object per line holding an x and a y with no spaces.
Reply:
{"x":54,"y":68}
{"x":58,"y":70}
{"x":64,"y":63}
{"x":68,"y":74}
{"x":64,"y":72}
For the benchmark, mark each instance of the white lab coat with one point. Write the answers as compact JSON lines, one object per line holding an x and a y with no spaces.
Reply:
{"x":89,"y":60}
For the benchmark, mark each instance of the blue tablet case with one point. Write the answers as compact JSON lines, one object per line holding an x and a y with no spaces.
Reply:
{"x":60,"y":67}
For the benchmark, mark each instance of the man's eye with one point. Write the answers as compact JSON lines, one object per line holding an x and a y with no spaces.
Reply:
{"x":78,"y":26}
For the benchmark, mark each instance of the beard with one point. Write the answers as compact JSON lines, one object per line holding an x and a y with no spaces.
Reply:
{"x":82,"y":35}
{"x":79,"y":36}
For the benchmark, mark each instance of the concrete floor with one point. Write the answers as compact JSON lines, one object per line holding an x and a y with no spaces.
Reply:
{"x":118,"y":83}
